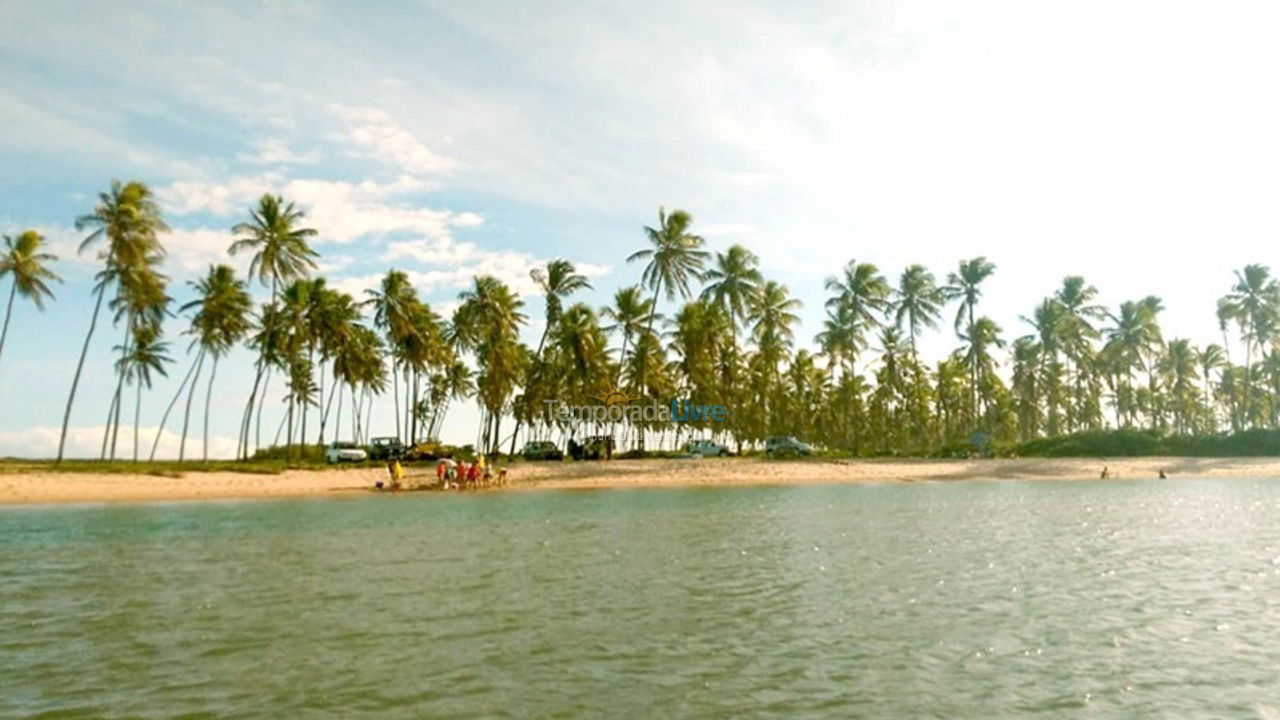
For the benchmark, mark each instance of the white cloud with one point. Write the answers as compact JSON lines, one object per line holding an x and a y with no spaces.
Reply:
{"x":274,"y":151}
{"x":85,"y":441}
{"x":376,"y":132}
{"x":724,"y":230}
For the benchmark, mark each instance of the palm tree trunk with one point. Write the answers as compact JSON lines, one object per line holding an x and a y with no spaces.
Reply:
{"x":324,"y":416}
{"x":337,"y":419}
{"x":137,"y":412}
{"x":165,"y":418}
{"x":302,"y":433}
{"x":186,"y":415}
{"x":973,"y":375}
{"x":368,"y":414}
{"x":75,"y":381}
{"x":242,"y":450}
{"x":208,"y":397}
{"x":320,"y":406}
{"x":407,"y":412}
{"x":395,"y":397}
{"x":262,"y":399}
{"x":13,"y":292}
{"x":106,"y":427}
{"x":124,"y":354}
{"x":412,"y":380}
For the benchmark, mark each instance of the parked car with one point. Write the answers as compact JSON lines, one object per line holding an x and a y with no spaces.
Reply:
{"x":707,"y":448}
{"x":345,"y":452}
{"x":428,"y":450}
{"x":786,"y":445}
{"x":596,"y":447}
{"x":541,"y":450}
{"x":386,"y":448}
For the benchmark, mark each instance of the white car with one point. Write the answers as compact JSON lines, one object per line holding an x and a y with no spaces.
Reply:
{"x":707,"y":448}
{"x":345,"y":452}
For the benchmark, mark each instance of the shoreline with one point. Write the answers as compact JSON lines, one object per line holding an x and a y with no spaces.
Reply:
{"x":46,"y":488}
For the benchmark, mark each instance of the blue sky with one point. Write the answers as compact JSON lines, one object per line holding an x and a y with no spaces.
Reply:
{"x":1133,"y":143}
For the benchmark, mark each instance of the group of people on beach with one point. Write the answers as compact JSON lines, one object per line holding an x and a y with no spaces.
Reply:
{"x":450,"y":475}
{"x":460,"y":475}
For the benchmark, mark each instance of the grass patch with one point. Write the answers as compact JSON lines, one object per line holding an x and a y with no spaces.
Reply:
{"x":162,"y":468}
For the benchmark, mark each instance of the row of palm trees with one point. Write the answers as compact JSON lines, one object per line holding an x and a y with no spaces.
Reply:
{"x":708,"y":328}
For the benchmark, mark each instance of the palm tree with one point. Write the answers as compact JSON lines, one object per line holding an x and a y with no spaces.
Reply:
{"x":630,"y":315}
{"x":221,"y":321}
{"x":558,"y":280}
{"x":839,"y":339}
{"x":1180,"y":363}
{"x":487,"y":323}
{"x":1212,"y":357}
{"x":1129,"y":341}
{"x":129,"y":218}
{"x":965,"y":285}
{"x":146,"y":354}
{"x":981,"y":337}
{"x":863,"y":292}
{"x":23,"y":260}
{"x":917,"y":302}
{"x":1253,"y":303}
{"x":676,"y":257}
{"x":1076,"y":334}
{"x":734,"y":282}
{"x":280,"y":255}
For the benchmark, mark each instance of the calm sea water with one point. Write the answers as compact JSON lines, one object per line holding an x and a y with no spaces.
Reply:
{"x":950,"y":600}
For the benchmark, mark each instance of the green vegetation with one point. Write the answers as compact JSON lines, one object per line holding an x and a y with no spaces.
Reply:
{"x":709,"y":329}
{"x":1134,"y":443}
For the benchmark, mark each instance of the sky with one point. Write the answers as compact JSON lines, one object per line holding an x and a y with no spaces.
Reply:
{"x":1133,"y":143}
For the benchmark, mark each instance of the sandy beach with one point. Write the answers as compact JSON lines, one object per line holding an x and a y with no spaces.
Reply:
{"x":54,"y":487}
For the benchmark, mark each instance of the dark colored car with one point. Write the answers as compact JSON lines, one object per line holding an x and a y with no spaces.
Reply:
{"x":541,"y":450}
{"x":597,"y":447}
{"x":786,"y":445}
{"x":386,"y":448}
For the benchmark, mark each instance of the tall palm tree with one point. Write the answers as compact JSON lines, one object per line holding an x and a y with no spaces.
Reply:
{"x":917,"y":302}
{"x":487,"y":323}
{"x":558,"y":280}
{"x":221,"y":321}
{"x":1180,"y":363}
{"x":1076,"y":334}
{"x":981,"y":337}
{"x":1212,"y":357}
{"x":1253,"y":303}
{"x":281,"y":254}
{"x":393,"y":303}
{"x":675,"y":258}
{"x":965,"y":285}
{"x":128,"y":217}
{"x":23,"y":260}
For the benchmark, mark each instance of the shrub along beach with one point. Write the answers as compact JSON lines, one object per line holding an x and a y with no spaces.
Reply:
{"x":699,"y":331}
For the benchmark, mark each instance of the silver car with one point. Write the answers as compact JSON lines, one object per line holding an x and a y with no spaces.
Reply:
{"x":707,"y":448}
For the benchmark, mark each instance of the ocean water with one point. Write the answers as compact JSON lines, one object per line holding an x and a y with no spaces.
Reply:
{"x":1112,"y":599}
